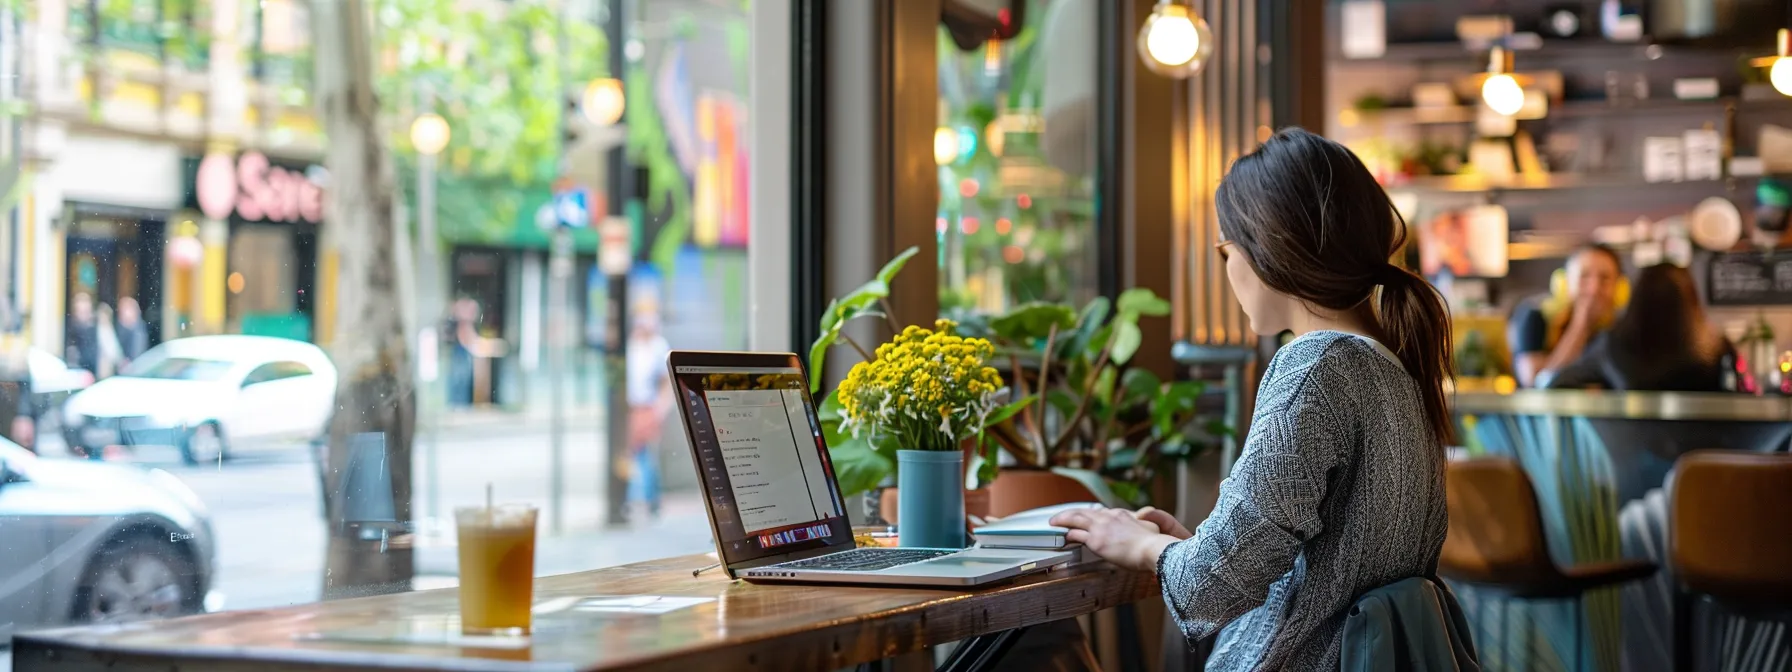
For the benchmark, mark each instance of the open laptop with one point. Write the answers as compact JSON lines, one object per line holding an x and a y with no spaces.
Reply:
{"x":774,"y":504}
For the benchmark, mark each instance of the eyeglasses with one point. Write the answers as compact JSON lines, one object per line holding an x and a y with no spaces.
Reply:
{"x":1221,"y":248}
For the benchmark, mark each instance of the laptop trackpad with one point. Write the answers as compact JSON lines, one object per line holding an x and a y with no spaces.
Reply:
{"x":982,"y":561}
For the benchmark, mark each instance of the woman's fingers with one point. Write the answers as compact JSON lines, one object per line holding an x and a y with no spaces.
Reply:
{"x":1073,"y":519}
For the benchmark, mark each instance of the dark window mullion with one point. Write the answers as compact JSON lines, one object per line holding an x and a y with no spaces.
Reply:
{"x":808,"y":161}
{"x":1109,"y":192}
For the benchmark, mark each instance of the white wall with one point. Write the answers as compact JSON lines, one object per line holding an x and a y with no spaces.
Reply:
{"x":120,"y":171}
{"x":768,"y":145}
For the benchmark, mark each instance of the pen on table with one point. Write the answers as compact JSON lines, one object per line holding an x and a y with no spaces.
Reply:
{"x":700,"y":570}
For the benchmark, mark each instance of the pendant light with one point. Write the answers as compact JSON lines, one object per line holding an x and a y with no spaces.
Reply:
{"x":1501,"y":90}
{"x":1779,"y":65}
{"x":1175,"y":41}
{"x":1781,"y":72}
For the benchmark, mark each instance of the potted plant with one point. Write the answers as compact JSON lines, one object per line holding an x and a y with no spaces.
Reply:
{"x":927,"y":392}
{"x":1103,"y":429}
{"x":865,"y":462}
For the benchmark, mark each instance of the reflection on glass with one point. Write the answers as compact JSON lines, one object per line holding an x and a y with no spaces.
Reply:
{"x":1016,"y":149}
{"x":188,"y":199}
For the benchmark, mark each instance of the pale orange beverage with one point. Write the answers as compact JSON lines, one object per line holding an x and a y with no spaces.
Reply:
{"x":497,"y":568}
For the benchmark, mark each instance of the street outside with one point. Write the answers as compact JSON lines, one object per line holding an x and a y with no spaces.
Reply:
{"x":265,"y":510}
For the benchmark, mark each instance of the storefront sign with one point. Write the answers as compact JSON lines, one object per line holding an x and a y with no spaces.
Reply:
{"x":254,"y":189}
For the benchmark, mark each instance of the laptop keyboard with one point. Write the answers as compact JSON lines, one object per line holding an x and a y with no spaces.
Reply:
{"x":866,"y":559}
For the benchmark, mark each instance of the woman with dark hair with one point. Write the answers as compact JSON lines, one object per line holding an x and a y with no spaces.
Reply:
{"x":1663,"y":342}
{"x":1340,"y":488}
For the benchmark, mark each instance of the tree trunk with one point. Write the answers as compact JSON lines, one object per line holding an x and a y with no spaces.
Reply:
{"x":375,"y":397}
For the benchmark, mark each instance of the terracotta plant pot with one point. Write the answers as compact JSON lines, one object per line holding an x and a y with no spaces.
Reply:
{"x":886,"y":504}
{"x":1017,"y":490}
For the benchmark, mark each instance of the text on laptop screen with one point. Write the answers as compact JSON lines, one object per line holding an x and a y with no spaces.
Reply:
{"x":764,"y":463}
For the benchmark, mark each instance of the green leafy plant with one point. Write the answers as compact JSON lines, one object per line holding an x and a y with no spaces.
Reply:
{"x":500,"y":77}
{"x":862,"y":460}
{"x":1101,"y":420}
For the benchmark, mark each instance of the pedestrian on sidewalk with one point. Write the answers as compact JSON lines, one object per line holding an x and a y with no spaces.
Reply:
{"x":133,"y":334}
{"x":462,"y":334}
{"x":111,"y":352}
{"x":649,"y":402}
{"x":83,"y":350}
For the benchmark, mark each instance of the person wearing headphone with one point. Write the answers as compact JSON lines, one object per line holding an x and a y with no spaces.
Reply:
{"x":1551,"y":331}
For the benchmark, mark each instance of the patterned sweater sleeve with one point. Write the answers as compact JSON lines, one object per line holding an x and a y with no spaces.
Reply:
{"x":1267,"y":508}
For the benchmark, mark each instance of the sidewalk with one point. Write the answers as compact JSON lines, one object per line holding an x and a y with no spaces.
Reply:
{"x":584,"y":397}
{"x":578,"y":416}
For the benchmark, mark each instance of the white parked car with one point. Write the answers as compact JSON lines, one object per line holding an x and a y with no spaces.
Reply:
{"x":51,"y":375}
{"x":209,"y":396}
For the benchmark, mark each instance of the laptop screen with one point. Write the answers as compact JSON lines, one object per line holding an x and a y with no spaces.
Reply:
{"x":765,"y":469}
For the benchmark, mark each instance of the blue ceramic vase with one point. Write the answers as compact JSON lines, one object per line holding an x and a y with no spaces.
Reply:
{"x":930,"y":498}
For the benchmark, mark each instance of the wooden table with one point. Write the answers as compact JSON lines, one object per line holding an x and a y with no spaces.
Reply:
{"x":747,"y":627}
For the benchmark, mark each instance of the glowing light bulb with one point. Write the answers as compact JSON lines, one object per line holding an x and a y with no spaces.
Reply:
{"x":1174,"y":41}
{"x":1503,"y":94}
{"x":945,"y":145}
{"x":430,"y":133}
{"x":1781,"y":75}
{"x":604,"y":102}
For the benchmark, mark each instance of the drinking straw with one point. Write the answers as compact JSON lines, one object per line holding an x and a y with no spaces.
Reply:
{"x":488,"y":499}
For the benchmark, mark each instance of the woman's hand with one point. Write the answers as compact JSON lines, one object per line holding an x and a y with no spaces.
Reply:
{"x":1117,"y":535}
{"x":1165,"y":522}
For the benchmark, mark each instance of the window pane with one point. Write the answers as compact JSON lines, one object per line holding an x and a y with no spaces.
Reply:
{"x":1017,"y":148}
{"x":208,"y":227}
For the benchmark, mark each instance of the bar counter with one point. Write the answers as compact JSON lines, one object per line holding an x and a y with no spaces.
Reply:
{"x":1676,"y":406}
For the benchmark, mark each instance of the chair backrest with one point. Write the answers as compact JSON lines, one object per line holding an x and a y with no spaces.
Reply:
{"x":1496,"y":533}
{"x":1730,"y":526}
{"x":1412,"y":624}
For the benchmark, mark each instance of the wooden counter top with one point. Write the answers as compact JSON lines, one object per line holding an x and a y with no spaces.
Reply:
{"x":747,"y":627}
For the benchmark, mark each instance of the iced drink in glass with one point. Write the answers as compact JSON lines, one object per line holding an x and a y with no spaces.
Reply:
{"x":497,"y":568}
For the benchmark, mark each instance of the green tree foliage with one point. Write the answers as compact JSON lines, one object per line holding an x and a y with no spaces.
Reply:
{"x":500,"y":78}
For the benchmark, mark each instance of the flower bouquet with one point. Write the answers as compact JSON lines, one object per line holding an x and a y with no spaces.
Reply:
{"x":926,"y":392}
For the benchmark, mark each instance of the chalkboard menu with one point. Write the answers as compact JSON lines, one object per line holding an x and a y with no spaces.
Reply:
{"x":1750,"y":279}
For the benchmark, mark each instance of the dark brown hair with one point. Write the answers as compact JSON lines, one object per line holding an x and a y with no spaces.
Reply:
{"x":1316,"y":226}
{"x":1665,"y":320}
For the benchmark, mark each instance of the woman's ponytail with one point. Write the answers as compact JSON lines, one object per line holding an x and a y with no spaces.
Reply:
{"x":1416,"y":322}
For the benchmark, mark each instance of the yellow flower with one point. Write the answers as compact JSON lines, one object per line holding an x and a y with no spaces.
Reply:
{"x":923,"y":373}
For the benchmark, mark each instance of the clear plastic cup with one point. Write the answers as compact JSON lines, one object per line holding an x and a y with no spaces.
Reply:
{"x":497,"y":568}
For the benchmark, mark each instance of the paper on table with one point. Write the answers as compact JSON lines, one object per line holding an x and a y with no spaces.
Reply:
{"x":620,"y":604}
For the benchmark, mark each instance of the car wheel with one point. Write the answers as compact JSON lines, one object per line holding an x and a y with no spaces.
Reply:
{"x":204,"y":443}
{"x":133,"y":579}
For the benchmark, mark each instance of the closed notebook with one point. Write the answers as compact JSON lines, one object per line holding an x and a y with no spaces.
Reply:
{"x":1028,"y":529}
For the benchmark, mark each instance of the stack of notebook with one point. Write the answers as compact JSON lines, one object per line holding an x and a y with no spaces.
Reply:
{"x":1028,"y":529}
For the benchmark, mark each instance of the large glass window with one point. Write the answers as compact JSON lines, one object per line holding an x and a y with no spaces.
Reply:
{"x":1016,"y":149}
{"x":210,"y":318}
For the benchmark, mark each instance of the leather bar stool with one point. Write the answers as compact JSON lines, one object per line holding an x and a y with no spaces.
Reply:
{"x":1730,"y":538}
{"x":1496,"y":541}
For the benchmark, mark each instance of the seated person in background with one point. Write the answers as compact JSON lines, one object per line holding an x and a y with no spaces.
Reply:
{"x":1662,"y":343}
{"x":1551,"y":331}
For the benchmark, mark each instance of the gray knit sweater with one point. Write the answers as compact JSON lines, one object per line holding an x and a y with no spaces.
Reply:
{"x":1340,"y":490}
